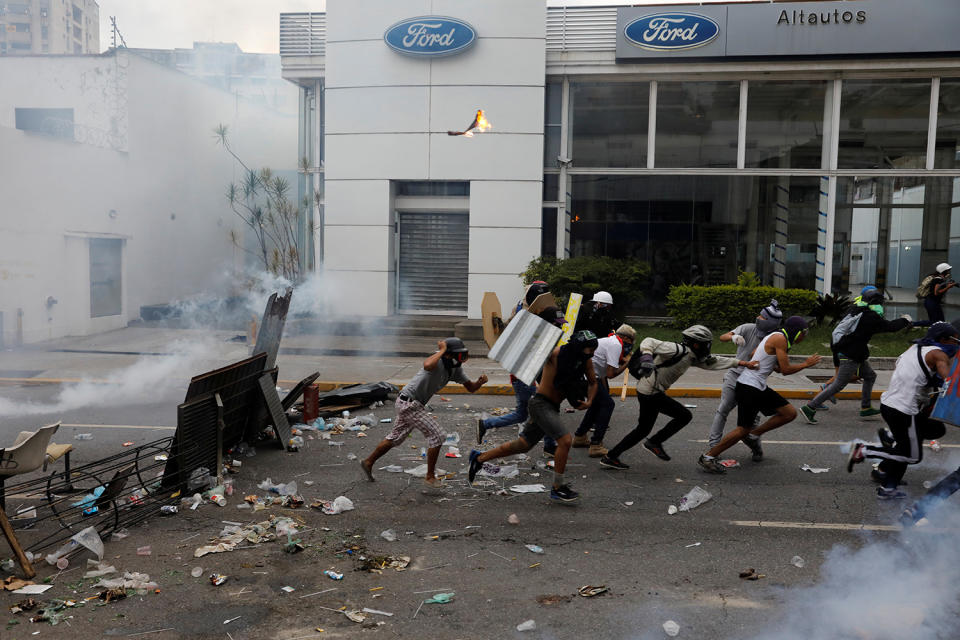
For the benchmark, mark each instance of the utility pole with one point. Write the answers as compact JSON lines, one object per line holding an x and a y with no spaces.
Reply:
{"x":115,"y":33}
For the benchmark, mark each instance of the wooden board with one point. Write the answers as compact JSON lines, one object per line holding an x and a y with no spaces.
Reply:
{"x":490,"y":309}
{"x":570,"y":317}
{"x":541,"y":302}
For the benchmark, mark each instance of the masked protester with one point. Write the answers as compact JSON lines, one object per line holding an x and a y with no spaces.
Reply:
{"x":851,"y":352}
{"x":438,"y":369}
{"x":933,"y":288}
{"x":659,"y":365}
{"x":754,"y":396}
{"x":567,"y":375}
{"x":597,"y":315}
{"x":905,"y":406}
{"x":746,"y":336}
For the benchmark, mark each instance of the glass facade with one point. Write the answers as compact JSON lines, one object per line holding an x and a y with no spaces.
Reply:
{"x":785,"y":124}
{"x":697,"y":124}
{"x":883,"y":124}
{"x":609,"y":127}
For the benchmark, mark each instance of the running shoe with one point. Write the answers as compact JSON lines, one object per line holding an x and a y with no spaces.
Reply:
{"x":908,"y":518}
{"x":832,"y":399}
{"x":710,"y":465}
{"x":855,"y":457}
{"x":613,"y":463}
{"x":868,"y":412}
{"x":475,"y":465}
{"x":581,"y":442}
{"x":481,"y":431}
{"x":564,"y":493}
{"x":823,"y":407}
{"x":878,"y":476}
{"x":754,"y":444}
{"x":884,"y":493}
{"x":809,"y":414}
{"x":656,"y":449}
{"x":597,"y":450}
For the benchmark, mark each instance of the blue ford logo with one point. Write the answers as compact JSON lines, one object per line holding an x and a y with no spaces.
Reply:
{"x":671,"y":31}
{"x":430,"y":36}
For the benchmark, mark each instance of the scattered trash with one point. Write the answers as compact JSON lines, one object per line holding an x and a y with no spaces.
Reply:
{"x":287,"y":589}
{"x":62,"y":564}
{"x":671,"y":510}
{"x":729,"y":463}
{"x":935,"y":445}
{"x":160,"y":457}
{"x":83,"y":436}
{"x":12,"y":583}
{"x":441,"y":598}
{"x":513,"y":519}
{"x":528,"y":488}
{"x":452,"y":439}
{"x":355,"y":616}
{"x":98,"y":569}
{"x":534,"y":548}
{"x":333,"y":575}
{"x":453,"y":452}
{"x":193,"y":501}
{"x":31,"y":589}
{"x":144,"y":551}
{"x":420,"y":471}
{"x":129,"y":580}
{"x":196,"y":572}
{"x":751,"y":574}
{"x":386,"y":420}
{"x":671,"y":628}
{"x":690,"y":406}
{"x":229,"y":620}
{"x":554,"y":598}
{"x":252,"y":534}
{"x":334,"y":507}
{"x":798,"y":562}
{"x":629,"y":504}
{"x":695,"y":544}
{"x":589,"y":590}
{"x":527,"y":625}
{"x":496,"y":471}
{"x":807,"y":467}
{"x":927,"y":484}
{"x":168,"y":509}
{"x":392,"y":468}
{"x":127,"y":444}
{"x":24,"y":605}
{"x":112,"y":595}
{"x":389,"y":535}
{"x":694,"y":498}
{"x":87,"y":538}
{"x":377,"y":612}
{"x":217,"y":579}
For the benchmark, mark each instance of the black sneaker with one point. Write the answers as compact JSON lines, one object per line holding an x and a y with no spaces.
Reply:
{"x":884,"y":493}
{"x":564,"y":493}
{"x":475,"y":465}
{"x":481,"y":431}
{"x":656,"y":449}
{"x":710,"y":465}
{"x":878,"y":476}
{"x":754,"y":445}
{"x":613,"y":463}
{"x":886,"y":438}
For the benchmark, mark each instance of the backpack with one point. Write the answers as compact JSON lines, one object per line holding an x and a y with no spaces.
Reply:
{"x":846,"y":326}
{"x":634,"y":365}
{"x":925,"y":289}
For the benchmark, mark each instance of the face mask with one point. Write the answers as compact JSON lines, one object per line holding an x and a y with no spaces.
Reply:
{"x":452,"y":363}
{"x":878,"y":308}
{"x":767,"y":325}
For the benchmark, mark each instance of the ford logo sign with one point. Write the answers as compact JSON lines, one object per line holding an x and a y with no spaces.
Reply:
{"x":671,"y":31}
{"x":430,"y":36}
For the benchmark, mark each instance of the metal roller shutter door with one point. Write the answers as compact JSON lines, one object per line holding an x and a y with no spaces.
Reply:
{"x":433,"y":261}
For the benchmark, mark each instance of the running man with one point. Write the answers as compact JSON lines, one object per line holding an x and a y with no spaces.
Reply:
{"x":753,"y":394}
{"x":661,"y":364}
{"x":746,"y":336}
{"x":905,"y":405}
{"x":438,"y":369}
{"x":562,"y":378}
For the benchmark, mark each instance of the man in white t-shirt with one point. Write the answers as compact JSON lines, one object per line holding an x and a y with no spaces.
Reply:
{"x":609,"y":361}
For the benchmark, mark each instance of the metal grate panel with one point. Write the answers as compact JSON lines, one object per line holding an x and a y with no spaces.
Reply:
{"x":303,"y":34}
{"x":434,"y":252}
{"x":525,"y":345}
{"x":581,"y":28}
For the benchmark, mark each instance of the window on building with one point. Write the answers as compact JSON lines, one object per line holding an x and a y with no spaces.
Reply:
{"x":548,"y":232}
{"x":697,"y":124}
{"x":883,"y":124}
{"x":785,"y":124}
{"x":609,"y":125}
{"x":21,"y":27}
{"x":553,"y":96}
{"x":44,"y":32}
{"x":106,"y":292}
{"x":22,"y":46}
{"x":948,"y":125}
{"x":51,"y":122}
{"x":551,"y":187}
{"x":77,"y":13}
{"x":422,"y":188}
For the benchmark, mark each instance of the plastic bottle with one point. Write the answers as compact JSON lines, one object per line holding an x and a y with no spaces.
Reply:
{"x":798,"y":562}
{"x":423,"y":452}
{"x":228,"y":487}
{"x":83,"y":436}
{"x":333,"y":575}
{"x":527,"y":625}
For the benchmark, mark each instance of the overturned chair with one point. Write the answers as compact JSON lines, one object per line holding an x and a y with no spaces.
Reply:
{"x":29,"y":452}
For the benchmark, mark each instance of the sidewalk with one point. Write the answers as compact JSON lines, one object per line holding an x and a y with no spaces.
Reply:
{"x":103,"y":357}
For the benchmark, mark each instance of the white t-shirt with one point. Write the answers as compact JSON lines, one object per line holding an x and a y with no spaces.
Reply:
{"x":607,"y":353}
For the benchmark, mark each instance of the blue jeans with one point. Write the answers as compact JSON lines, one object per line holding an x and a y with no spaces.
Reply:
{"x":519,"y":414}
{"x":940,"y":492}
{"x":598,"y":415}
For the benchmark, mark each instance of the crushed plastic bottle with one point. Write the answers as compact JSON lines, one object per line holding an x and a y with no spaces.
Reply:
{"x":333,"y":575}
{"x":671,"y":628}
{"x":694,"y":498}
{"x":368,"y":420}
{"x":83,"y":436}
{"x":527,"y":625}
{"x":389,"y":535}
{"x":798,"y":562}
{"x":534,"y":548}
{"x":452,"y":439}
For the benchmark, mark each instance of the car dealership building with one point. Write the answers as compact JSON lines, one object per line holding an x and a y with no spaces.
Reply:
{"x":813,"y":143}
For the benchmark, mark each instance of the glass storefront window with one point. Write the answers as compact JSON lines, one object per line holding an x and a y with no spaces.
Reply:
{"x":697,"y":124}
{"x":785,"y":124}
{"x":948,"y":125}
{"x":609,"y":124}
{"x":701,"y":229}
{"x":883,"y":124}
{"x":553,"y":96}
{"x":548,"y":231}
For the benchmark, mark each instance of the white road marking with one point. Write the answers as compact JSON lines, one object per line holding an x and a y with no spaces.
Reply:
{"x":117,"y":426}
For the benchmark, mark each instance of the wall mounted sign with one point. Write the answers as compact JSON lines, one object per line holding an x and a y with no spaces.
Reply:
{"x":671,"y":31}
{"x":430,"y":36}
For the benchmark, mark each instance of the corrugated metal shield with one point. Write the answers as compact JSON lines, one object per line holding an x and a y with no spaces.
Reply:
{"x":525,"y":345}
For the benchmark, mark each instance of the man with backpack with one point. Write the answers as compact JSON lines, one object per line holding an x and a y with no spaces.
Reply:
{"x":933,"y":288}
{"x":851,"y":352}
{"x":659,"y":365}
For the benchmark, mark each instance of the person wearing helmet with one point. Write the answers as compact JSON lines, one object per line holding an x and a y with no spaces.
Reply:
{"x":754,"y":396}
{"x":597,"y":315}
{"x":851,"y":352}
{"x":567,"y":375}
{"x":609,"y":361}
{"x":905,"y":406}
{"x":746,"y":336}
{"x":660,"y":364}
{"x":443,"y":366}
{"x":933,"y":288}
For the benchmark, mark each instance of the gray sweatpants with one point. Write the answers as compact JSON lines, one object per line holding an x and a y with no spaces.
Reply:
{"x":847,"y":370}
{"x":728,"y":401}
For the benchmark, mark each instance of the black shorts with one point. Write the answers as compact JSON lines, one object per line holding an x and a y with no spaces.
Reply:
{"x":751,"y":401}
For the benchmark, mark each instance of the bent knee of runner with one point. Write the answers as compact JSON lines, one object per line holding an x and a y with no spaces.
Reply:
{"x":565,"y":440}
{"x":684,"y":417}
{"x":788,"y":412}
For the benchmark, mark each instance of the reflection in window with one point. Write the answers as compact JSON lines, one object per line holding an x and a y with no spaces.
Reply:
{"x":697,"y":124}
{"x":948,"y":125}
{"x":883,"y":124}
{"x":785,"y":124}
{"x":610,"y":124}
{"x":553,"y":96}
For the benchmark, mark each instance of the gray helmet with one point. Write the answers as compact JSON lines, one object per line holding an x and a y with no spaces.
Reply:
{"x":457,"y":352}
{"x":698,"y":333}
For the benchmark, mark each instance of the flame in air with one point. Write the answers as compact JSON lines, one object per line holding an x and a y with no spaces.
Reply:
{"x":479,"y":125}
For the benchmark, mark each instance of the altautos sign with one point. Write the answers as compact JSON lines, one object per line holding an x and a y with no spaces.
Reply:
{"x":671,"y":31}
{"x":430,"y":36}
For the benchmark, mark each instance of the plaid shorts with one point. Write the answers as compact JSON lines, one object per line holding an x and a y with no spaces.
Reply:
{"x":411,"y":415}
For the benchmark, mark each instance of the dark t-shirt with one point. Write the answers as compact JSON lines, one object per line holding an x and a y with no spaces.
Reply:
{"x":934,"y":283}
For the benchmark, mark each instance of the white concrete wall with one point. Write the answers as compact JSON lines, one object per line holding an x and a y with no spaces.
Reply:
{"x":386,"y":119}
{"x":166,"y":184}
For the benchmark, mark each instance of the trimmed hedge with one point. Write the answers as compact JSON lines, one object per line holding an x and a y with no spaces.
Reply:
{"x":726,"y":306}
{"x":625,"y":280}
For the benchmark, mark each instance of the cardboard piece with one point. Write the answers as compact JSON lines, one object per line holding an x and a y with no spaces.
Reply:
{"x":570,"y":317}
{"x":489,"y":310}
{"x":541,"y":302}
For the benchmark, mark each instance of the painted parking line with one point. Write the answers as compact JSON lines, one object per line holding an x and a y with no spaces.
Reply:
{"x":838,"y":526}
{"x":117,"y":426}
{"x":821,"y":442}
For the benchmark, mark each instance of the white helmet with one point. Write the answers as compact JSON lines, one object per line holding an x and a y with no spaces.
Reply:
{"x":943,"y":267}
{"x":602,"y":296}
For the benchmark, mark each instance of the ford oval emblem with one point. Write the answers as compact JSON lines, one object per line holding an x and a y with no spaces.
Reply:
{"x":671,"y":31}
{"x":430,"y":36}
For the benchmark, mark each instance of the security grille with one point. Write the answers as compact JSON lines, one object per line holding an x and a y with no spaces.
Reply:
{"x":433,"y":258}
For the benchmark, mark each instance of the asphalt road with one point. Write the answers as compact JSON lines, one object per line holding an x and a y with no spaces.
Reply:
{"x":657,"y":567}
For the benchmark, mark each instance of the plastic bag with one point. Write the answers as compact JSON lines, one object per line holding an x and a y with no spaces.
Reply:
{"x":339,"y":505}
{"x":88,"y":538}
{"x":694,"y":499}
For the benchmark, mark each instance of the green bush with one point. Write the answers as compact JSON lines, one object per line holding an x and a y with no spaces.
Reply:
{"x":726,"y":306}
{"x":625,"y":280}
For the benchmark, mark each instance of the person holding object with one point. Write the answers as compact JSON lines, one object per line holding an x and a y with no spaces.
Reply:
{"x":597,"y":315}
{"x":746,"y":336}
{"x":438,"y":369}
{"x":658,"y":366}
{"x":933,"y":288}
{"x":753,"y":394}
